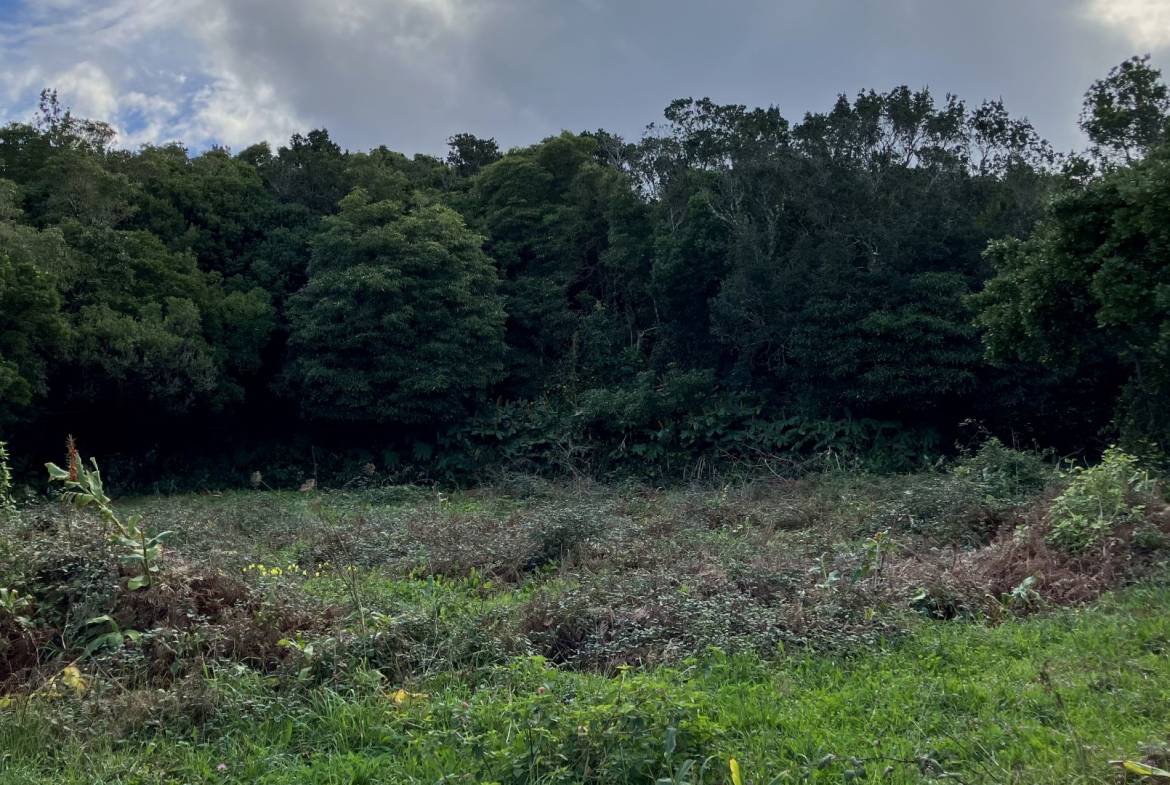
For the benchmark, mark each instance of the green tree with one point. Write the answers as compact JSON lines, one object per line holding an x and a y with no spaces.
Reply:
{"x":32,"y":328}
{"x":310,"y":170}
{"x":1092,"y":287}
{"x":469,"y":154}
{"x":851,"y":240}
{"x":1125,"y":113}
{"x":571,"y":242}
{"x":149,"y":327}
{"x":399,"y":322}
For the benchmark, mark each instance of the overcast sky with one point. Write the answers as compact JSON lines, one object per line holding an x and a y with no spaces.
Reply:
{"x":409,"y":73}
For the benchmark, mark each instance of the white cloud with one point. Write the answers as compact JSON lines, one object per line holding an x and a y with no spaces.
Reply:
{"x":154,"y":69}
{"x":225,"y":72}
{"x":1146,"y":23}
{"x":409,"y":73}
{"x":94,"y":93}
{"x":234,"y":113}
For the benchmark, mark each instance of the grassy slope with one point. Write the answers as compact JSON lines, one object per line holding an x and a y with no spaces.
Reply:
{"x":1049,"y":699}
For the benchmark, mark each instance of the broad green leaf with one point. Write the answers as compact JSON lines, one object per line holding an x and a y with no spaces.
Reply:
{"x":111,"y":640}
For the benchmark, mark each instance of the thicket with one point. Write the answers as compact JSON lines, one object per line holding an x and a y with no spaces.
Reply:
{"x":733,"y":288}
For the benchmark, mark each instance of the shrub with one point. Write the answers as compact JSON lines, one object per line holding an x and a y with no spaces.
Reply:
{"x":1098,"y":500}
{"x":1003,"y":475}
{"x":558,"y":532}
{"x":968,"y":504}
{"x":1147,"y":539}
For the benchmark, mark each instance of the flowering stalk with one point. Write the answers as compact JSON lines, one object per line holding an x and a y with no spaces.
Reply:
{"x":83,"y":488}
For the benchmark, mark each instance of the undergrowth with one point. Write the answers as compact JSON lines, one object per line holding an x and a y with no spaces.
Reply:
{"x":538,"y":632}
{"x":1048,"y":700}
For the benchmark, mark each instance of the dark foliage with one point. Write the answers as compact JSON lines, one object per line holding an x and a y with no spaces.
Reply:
{"x":734,"y":289}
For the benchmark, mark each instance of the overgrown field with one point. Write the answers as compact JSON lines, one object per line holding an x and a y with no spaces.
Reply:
{"x":999,"y":620}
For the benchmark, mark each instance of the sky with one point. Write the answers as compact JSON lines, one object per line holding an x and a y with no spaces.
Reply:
{"x":410,"y":73}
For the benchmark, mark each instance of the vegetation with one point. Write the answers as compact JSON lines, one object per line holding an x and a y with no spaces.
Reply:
{"x":734,"y":291}
{"x":868,"y":627}
{"x":693,"y":460}
{"x":1099,"y":500}
{"x":397,"y":323}
{"x":84,"y":489}
{"x":7,"y":504}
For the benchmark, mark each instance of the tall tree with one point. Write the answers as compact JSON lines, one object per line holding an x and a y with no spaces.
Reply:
{"x":399,"y":322}
{"x":1125,"y":114}
{"x":32,"y":329}
{"x":469,"y":154}
{"x":547,"y":212}
{"x":1091,"y":288}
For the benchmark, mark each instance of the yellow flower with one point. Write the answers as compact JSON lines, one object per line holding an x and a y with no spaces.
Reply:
{"x":736,"y":779}
{"x":401,"y":696}
{"x":72,"y":677}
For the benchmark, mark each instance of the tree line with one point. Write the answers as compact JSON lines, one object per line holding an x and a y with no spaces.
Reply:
{"x":868,"y":281}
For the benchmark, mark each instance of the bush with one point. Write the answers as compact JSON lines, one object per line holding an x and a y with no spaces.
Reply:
{"x":1098,"y":500}
{"x":1005,"y":476}
{"x":76,"y":608}
{"x":968,"y":504}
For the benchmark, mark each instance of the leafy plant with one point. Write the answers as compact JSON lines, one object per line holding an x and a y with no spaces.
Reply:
{"x":1005,"y":476}
{"x":103,"y":632}
{"x":873,"y":556}
{"x":7,"y":505}
{"x":1098,"y":500}
{"x":16,"y":605}
{"x":1024,"y":595}
{"x":1149,"y":539}
{"x":84,"y":489}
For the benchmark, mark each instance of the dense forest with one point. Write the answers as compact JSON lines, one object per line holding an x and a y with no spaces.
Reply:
{"x":878,"y":282}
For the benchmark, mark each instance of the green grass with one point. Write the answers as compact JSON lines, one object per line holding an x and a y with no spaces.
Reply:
{"x":756,"y":624}
{"x":1048,"y":699}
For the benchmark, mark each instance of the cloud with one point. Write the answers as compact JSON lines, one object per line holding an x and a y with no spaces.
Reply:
{"x":94,"y":91}
{"x":224,"y":72}
{"x":152,"y":68}
{"x":1146,"y":23}
{"x":410,"y":73}
{"x":382,"y":68}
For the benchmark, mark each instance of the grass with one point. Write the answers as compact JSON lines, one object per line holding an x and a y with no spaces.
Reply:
{"x":1045,"y":700}
{"x":588,"y":634}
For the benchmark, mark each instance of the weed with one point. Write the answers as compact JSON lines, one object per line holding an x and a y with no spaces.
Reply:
{"x":142,"y":550}
{"x":584,"y":634}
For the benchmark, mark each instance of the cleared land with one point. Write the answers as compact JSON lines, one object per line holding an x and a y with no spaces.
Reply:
{"x":837,"y":628}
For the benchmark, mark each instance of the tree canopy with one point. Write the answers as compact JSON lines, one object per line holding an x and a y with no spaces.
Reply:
{"x":735,"y":283}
